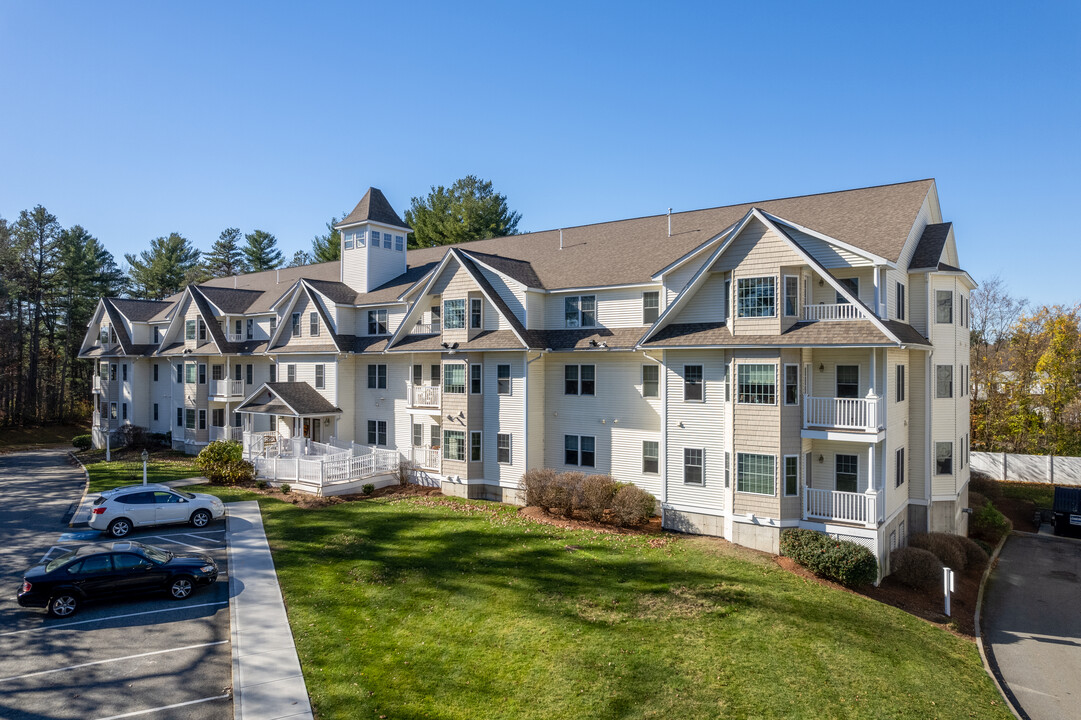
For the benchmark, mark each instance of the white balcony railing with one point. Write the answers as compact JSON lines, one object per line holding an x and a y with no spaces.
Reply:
{"x":840,"y":506}
{"x":426,"y":458}
{"x":864,"y":414}
{"x":833,"y":311}
{"x":234,"y":337}
{"x":423,"y":396}
{"x":227,"y":388}
{"x":432,"y":328}
{"x":97,"y":383}
{"x":189,"y":435}
{"x":229,"y":432}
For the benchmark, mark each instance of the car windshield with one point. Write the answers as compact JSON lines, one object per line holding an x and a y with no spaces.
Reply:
{"x":156,"y":554}
{"x":188,"y":495}
{"x":59,"y":560}
{"x":99,"y":499}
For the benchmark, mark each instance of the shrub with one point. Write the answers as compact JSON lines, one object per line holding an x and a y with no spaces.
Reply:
{"x":538,"y":486}
{"x":984,"y":485}
{"x":163,"y":440}
{"x":82,"y":442}
{"x":987,"y":549}
{"x":975,"y":556}
{"x":132,"y":436}
{"x":367,"y":488}
{"x":222,"y":461}
{"x":286,"y":488}
{"x":916,"y":568}
{"x":631,"y":505}
{"x":405,"y":471}
{"x":844,"y":562}
{"x":988,"y":524}
{"x":976,"y":500}
{"x":564,"y":491}
{"x":261,"y":484}
{"x":595,"y":494}
{"x":943,"y":546}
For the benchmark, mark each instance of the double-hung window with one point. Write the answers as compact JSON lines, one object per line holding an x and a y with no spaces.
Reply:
{"x":899,"y":468}
{"x":846,"y":476}
{"x":900,"y":301}
{"x":791,"y":475}
{"x":580,"y":311}
{"x":202,"y":373}
{"x":454,"y":379}
{"x":399,"y":243}
{"x":502,"y":379}
{"x":476,"y":313}
{"x":694,"y":466}
{"x":273,"y":372}
{"x":202,"y":330}
{"x":944,"y":458}
{"x":418,"y":434}
{"x":756,"y":297}
{"x":189,"y":329}
{"x":454,"y":314}
{"x":475,"y":452}
{"x":502,"y":448}
{"x":756,"y":384}
{"x":296,"y":324}
{"x":943,"y":306}
{"x":791,"y":384}
{"x":692,"y":383}
{"x":848,"y":381}
{"x":320,"y":376}
{"x":291,"y":372}
{"x":580,"y":450}
{"x":386,"y":240}
{"x":651,"y":461}
{"x":190,"y":370}
{"x":349,"y":239}
{"x":313,"y":324}
{"x":251,"y":329}
{"x":155,"y":372}
{"x":179,"y":373}
{"x":651,"y":307}
{"x":651,"y":381}
{"x":189,"y":418}
{"x":476,"y":377}
{"x":944,"y":381}
{"x":454,"y":445}
{"x":900,"y":383}
{"x":377,"y":377}
{"x":580,"y":380}
{"x":755,"y":473}
{"x":375,"y":239}
{"x":791,"y":295}
{"x":377,"y":322}
{"x":377,"y":432}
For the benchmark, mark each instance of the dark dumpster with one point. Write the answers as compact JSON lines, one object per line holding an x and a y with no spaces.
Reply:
{"x":1068,"y":511}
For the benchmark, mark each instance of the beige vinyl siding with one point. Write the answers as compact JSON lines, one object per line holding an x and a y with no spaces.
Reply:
{"x":757,"y":429}
{"x":707,"y":305}
{"x":537,"y":414}
{"x":951,"y":348}
{"x":826,"y":294}
{"x":828,"y":254}
{"x":503,"y":414}
{"x":676,"y":280}
{"x":824,"y":381}
{"x":917,"y":303}
{"x":897,"y":426}
{"x":919,"y":453}
{"x":161,"y":392}
{"x":456,"y":416}
{"x":696,"y":425}
{"x":382,"y":404}
{"x":823,"y":474}
{"x":288,"y":341}
{"x":191,"y":312}
{"x":790,"y":443}
{"x":345,"y":372}
{"x":621,"y":307}
{"x":535,"y":306}
{"x":892,"y":278}
{"x":511,"y":291}
{"x":923,"y":219}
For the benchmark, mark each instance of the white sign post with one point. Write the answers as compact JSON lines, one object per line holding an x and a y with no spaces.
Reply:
{"x":947,"y":587}
{"x":146,"y":455}
{"x":108,"y":453}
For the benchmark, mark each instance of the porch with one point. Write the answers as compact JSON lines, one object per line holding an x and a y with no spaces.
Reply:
{"x":843,"y":484}
{"x":331,"y":468}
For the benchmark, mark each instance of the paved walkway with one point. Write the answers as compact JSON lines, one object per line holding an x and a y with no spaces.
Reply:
{"x":267,"y":681}
{"x":1032,"y":624}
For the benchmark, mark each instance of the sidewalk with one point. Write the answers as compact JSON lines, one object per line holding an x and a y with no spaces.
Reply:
{"x":82,"y":514}
{"x":267,"y":680}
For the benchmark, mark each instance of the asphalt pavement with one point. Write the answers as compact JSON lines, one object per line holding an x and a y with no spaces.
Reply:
{"x":146,"y":657}
{"x":1032,"y":625}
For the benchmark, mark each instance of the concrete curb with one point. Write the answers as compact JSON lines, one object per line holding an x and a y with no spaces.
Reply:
{"x":86,"y":488}
{"x":988,"y":658}
{"x":233,"y":626}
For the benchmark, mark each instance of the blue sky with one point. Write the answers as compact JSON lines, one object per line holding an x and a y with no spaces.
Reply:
{"x":139,"y":119}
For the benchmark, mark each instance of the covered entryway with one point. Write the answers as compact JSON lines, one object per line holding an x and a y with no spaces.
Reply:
{"x":290,"y":411}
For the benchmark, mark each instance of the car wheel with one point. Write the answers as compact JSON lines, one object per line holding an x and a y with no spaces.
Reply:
{"x":200,"y":518}
{"x":119,"y":528}
{"x":63,"y":605}
{"x":181,"y":588}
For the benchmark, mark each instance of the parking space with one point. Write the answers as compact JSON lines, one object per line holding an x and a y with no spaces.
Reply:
{"x":147,"y":656}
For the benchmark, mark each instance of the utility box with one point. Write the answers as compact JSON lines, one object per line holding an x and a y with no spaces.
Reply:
{"x":1068,"y":511}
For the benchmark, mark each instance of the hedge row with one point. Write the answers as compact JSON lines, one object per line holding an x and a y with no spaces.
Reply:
{"x":593,"y":495}
{"x":842,"y":561}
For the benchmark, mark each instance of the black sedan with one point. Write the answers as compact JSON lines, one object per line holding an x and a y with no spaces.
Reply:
{"x":91,"y":572}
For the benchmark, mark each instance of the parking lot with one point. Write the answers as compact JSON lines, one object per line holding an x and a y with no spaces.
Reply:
{"x":147,"y":657}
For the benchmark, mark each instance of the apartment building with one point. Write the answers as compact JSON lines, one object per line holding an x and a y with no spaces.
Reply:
{"x":800,"y":362}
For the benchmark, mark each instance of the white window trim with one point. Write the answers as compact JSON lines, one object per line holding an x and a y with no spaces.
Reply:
{"x":643,"y":377}
{"x":510,"y":449}
{"x":701,"y":384}
{"x":749,"y":492}
{"x":702,"y":467}
{"x":479,"y":436}
{"x":580,"y":366}
{"x":470,"y":381}
{"x":784,"y":385}
{"x":859,"y":469}
{"x":658,"y":470}
{"x":784,"y":475}
{"x":735,"y":389}
{"x":757,"y":277}
{"x":658,"y":294}
{"x":596,"y":311}
{"x":784,"y":294}
{"x":480,"y":325}
{"x":510,"y":380}
{"x":446,"y":315}
{"x":323,"y":368}
{"x":579,"y":463}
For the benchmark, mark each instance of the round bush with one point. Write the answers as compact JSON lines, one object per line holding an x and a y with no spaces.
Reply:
{"x":975,"y":557}
{"x":844,"y":562}
{"x":988,"y":524}
{"x":564,"y":491}
{"x":942,"y":546}
{"x":595,"y":494}
{"x":916,"y":568}
{"x":538,"y":486}
{"x":222,"y":461}
{"x":632,"y":505}
{"x":82,"y":442}
{"x":367,"y":488}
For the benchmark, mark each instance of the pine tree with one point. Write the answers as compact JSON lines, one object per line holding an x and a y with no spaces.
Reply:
{"x":300,"y":258}
{"x":261,"y":251}
{"x":36,"y":237}
{"x":160,"y":271}
{"x":225,"y":258}
{"x":326,"y":248}
{"x":468,"y":210}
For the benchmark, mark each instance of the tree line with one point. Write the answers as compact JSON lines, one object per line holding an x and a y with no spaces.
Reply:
{"x":52,"y":278}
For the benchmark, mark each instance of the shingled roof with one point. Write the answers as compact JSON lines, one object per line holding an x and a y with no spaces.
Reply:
{"x":929,"y":249}
{"x":373,"y":207}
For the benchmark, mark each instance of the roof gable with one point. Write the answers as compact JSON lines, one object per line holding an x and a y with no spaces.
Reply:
{"x":373,"y":207}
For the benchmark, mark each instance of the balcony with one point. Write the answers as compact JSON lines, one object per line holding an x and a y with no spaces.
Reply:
{"x":837,"y":506}
{"x":426,"y":458}
{"x":423,"y":396}
{"x":860,"y":414}
{"x":97,"y":385}
{"x":230,"y":432}
{"x":832,"y":311}
{"x":433,"y":328}
{"x":226,"y":389}
{"x":190,"y":435}
{"x":234,"y":337}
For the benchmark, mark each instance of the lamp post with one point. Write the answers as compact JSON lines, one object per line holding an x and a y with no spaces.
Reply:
{"x":145,"y":455}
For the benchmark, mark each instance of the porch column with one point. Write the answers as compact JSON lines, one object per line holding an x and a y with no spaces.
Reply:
{"x":874,"y":275}
{"x":872,"y":476}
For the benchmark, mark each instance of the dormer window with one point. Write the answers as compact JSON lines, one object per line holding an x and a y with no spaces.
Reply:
{"x":399,"y":243}
{"x":348,"y":238}
{"x":296,"y":324}
{"x":202,"y":330}
{"x":157,"y":338}
{"x":651,"y":307}
{"x":454,"y":314}
{"x":756,"y":297}
{"x":580,"y":311}
{"x":377,"y":322}
{"x":313,"y":324}
{"x":104,"y":334}
{"x":359,"y":237}
{"x":189,"y":329}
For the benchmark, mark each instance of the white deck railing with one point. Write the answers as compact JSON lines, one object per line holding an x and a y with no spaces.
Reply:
{"x":423,"y":396}
{"x":234,"y":337}
{"x":325,"y":470}
{"x":189,"y":435}
{"x":840,"y":506}
{"x":832,"y":311}
{"x":843,"y":413}
{"x":426,"y":458}
{"x":426,"y":329}
{"x":227,"y":388}
{"x":230,"y":432}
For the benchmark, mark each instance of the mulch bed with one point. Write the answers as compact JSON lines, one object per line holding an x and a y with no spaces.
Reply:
{"x":1019,"y":512}
{"x":308,"y":502}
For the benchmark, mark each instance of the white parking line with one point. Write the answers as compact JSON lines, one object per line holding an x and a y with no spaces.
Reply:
{"x":200,"y":537}
{"x":171,"y":539}
{"x":165,"y":707}
{"x":112,"y":617}
{"x":103,"y":662}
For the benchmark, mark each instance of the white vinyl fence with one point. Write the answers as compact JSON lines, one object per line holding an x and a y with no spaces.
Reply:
{"x":1028,"y":468}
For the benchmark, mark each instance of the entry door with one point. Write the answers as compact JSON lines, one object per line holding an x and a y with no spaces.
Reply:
{"x":317,"y":430}
{"x":307,"y":427}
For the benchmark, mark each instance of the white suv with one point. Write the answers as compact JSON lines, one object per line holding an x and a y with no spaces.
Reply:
{"x":118,"y":511}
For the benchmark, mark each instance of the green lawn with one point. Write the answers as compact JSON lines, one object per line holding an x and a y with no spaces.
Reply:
{"x":127,"y":468}
{"x":447,"y":609}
